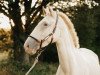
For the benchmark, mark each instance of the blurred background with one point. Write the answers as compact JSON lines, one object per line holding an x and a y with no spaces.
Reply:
{"x":19,"y":17}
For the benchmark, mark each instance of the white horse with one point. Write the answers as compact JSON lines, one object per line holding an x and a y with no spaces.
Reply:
{"x":72,"y":59}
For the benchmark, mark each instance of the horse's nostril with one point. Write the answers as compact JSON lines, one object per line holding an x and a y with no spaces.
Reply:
{"x":28,"y":46}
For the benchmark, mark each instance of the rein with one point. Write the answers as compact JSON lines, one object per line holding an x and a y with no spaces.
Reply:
{"x":41,"y":49}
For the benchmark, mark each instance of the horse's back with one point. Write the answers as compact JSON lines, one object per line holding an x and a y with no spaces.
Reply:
{"x":89,"y":55}
{"x":92,"y":61}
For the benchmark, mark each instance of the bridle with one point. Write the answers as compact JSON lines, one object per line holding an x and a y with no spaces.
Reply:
{"x":47,"y":37}
{"x":41,"y":49}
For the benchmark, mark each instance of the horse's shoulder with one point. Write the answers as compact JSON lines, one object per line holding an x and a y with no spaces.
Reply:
{"x":85,"y":50}
{"x":88,"y":54}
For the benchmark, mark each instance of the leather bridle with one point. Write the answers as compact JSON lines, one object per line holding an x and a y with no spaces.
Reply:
{"x":41,"y":49}
{"x":47,"y":37}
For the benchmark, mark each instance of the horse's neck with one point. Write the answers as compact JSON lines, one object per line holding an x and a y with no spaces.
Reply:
{"x":65,"y":48}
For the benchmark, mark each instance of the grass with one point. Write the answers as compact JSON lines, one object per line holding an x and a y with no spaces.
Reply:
{"x":16,"y":68}
{"x":45,"y":69}
{"x":11,"y":67}
{"x":4,"y":56}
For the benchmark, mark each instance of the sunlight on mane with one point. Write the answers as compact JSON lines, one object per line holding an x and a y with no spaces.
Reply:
{"x":71,"y":29}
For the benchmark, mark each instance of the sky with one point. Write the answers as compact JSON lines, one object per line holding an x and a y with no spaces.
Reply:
{"x":4,"y":22}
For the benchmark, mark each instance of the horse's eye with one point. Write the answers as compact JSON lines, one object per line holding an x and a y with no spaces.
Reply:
{"x":45,"y":24}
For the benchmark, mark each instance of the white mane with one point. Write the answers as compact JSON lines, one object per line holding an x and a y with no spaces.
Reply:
{"x":71,"y":29}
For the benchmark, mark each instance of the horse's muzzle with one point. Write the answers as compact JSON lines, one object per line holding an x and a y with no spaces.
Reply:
{"x":29,"y":50}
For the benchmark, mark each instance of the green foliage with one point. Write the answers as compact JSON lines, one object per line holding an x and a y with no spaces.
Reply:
{"x":97,"y":39}
{"x":97,"y":15}
{"x":85,"y":24}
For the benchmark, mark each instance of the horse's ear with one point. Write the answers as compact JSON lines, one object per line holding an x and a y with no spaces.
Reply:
{"x":44,"y":11}
{"x":48,"y":11}
{"x":51,"y":10}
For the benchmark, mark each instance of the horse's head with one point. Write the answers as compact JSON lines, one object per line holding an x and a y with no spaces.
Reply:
{"x":46,"y":31}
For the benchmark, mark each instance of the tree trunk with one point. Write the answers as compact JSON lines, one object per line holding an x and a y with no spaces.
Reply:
{"x":18,"y":37}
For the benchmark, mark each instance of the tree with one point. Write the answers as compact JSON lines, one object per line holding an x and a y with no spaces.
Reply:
{"x":97,"y":39}
{"x":15,"y":10}
{"x":85,"y":23}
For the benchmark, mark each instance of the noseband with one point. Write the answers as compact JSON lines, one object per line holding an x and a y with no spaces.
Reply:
{"x":47,"y":37}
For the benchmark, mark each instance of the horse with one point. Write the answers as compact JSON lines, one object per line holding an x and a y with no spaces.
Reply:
{"x":57,"y":28}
